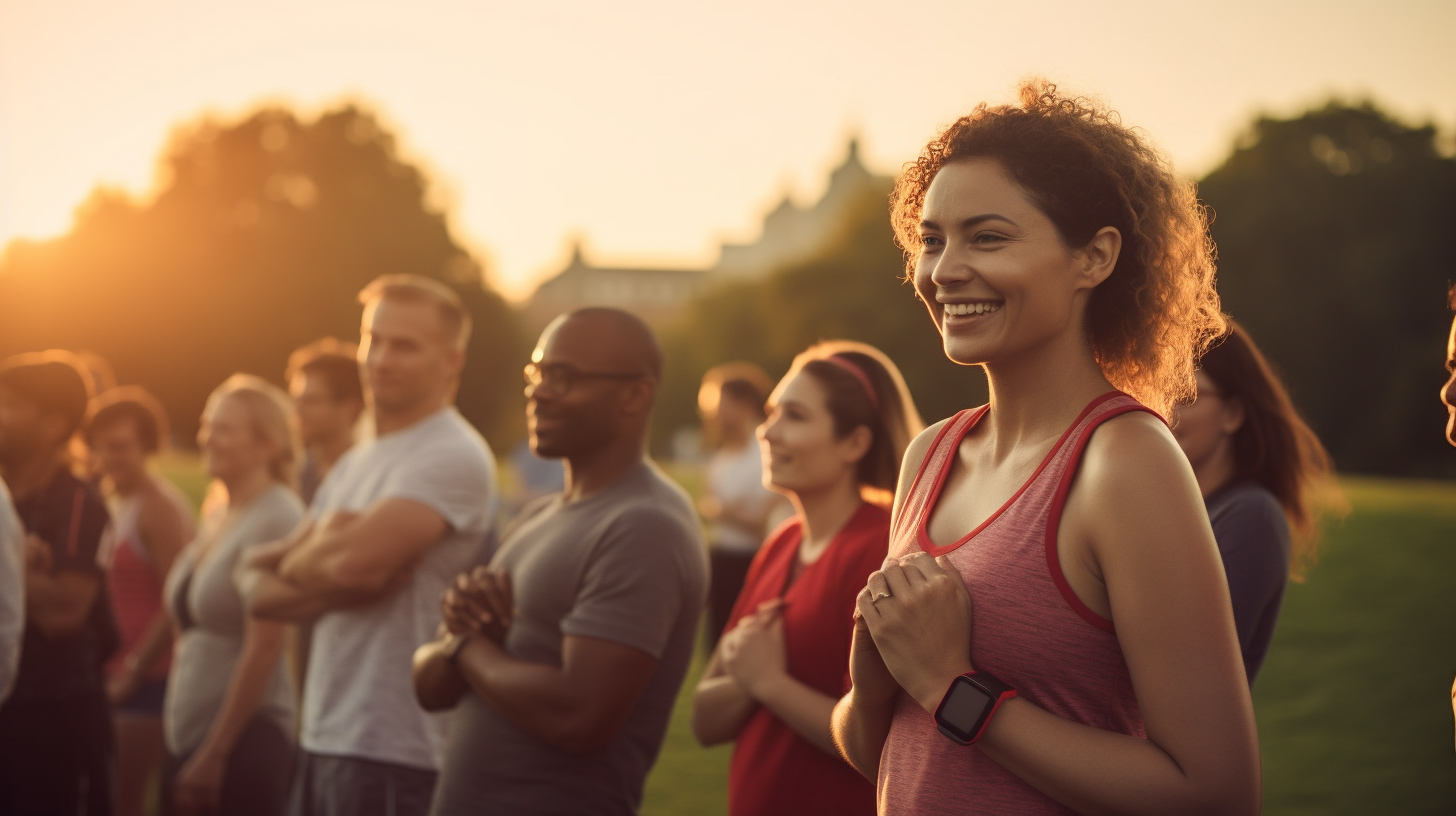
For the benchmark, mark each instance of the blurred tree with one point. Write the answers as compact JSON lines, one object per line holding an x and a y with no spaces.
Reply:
{"x":1337,"y":233}
{"x":851,"y":291}
{"x":261,"y":233}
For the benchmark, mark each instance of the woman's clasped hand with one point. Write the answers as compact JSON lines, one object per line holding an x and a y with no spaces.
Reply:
{"x":918,"y":612}
{"x":753,"y":651}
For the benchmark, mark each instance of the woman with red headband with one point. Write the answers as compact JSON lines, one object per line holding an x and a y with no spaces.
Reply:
{"x":837,"y":426}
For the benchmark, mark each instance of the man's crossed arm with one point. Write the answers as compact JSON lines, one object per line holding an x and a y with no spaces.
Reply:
{"x":344,"y":559}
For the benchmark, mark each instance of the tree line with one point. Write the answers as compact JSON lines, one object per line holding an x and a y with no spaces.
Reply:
{"x":1333,"y":229}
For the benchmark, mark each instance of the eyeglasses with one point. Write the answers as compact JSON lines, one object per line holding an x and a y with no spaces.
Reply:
{"x":558,"y":378}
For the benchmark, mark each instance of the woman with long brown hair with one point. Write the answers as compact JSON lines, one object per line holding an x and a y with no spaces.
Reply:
{"x":1258,"y":465}
{"x":837,"y":426}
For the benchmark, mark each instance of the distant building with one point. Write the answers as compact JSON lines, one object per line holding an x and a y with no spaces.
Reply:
{"x":655,"y":295}
{"x":791,"y":234}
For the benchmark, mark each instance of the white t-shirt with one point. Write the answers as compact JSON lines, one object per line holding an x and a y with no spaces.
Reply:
{"x":12,"y":592}
{"x":736,"y":477}
{"x":358,"y":700}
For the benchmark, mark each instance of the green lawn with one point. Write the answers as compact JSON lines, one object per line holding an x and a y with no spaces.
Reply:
{"x":1352,"y":703}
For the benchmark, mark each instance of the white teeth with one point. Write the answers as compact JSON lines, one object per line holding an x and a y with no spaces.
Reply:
{"x":970,"y":308}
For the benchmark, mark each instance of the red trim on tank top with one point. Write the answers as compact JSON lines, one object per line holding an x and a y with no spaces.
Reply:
{"x":1059,"y":500}
{"x":922,"y":532}
{"x":929,"y":456}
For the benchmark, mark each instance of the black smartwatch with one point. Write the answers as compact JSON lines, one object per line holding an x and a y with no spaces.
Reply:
{"x":966,"y":709}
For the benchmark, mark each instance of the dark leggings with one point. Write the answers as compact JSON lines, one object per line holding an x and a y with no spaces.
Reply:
{"x":259,"y":772}
{"x":55,"y":757}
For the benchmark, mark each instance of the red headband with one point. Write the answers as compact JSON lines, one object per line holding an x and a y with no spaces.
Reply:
{"x":843,"y":362}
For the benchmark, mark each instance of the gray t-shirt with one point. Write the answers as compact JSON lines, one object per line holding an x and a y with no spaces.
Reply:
{"x":204,"y":602}
{"x":627,"y":565}
{"x":358,"y":698}
{"x":12,"y":591}
{"x":1253,"y":539}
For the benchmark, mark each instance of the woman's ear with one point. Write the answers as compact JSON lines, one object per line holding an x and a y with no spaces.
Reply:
{"x":856,"y":444}
{"x":1099,"y":256}
{"x":1233,"y":415}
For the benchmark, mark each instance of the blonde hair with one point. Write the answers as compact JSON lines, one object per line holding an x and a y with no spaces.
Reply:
{"x":271,"y":415}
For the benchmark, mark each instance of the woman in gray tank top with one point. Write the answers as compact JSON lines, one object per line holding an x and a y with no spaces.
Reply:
{"x":229,"y":709}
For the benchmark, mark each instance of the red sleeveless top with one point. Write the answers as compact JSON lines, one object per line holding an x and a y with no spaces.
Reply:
{"x":135,"y":587}
{"x":1028,"y":628}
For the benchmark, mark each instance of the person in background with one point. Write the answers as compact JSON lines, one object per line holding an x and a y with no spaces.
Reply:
{"x":328,"y":399}
{"x":12,"y":591}
{"x":397,"y":518}
{"x":1053,"y":633}
{"x":55,"y":729}
{"x":837,"y":427}
{"x":151,"y":521}
{"x":564,"y":658}
{"x":1257,"y":464}
{"x":229,"y":708}
{"x":323,"y":379}
{"x":735,"y":502}
{"x":1448,"y":398}
{"x":1448,"y":391}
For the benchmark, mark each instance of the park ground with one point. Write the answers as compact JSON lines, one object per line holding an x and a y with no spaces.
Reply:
{"x":1353,"y":703}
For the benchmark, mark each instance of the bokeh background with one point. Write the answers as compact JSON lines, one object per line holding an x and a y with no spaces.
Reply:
{"x":189,"y":190}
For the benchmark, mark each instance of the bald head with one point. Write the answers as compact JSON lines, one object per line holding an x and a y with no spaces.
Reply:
{"x":619,"y":340}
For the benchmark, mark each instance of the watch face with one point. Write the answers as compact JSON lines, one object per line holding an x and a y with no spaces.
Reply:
{"x":963,"y":708}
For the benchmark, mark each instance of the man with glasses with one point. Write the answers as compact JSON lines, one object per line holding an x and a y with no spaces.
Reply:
{"x":391,"y":523}
{"x":563,"y":658}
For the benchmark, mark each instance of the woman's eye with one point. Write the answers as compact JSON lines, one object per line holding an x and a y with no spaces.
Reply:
{"x":930,"y":243}
{"x":988,"y":238}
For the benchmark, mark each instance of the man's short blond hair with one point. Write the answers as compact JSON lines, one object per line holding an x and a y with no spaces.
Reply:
{"x":420,"y":289}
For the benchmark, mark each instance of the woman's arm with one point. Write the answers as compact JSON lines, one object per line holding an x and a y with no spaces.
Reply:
{"x":720,"y":705}
{"x":860,"y":722}
{"x":861,"y":719}
{"x":1134,"y":524}
{"x":164,"y":530}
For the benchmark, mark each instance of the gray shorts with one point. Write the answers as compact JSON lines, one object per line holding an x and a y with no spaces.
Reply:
{"x":350,"y":786}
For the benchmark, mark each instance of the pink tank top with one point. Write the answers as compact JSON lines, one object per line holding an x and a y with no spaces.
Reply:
{"x":1029,"y":629}
{"x":135,"y":587}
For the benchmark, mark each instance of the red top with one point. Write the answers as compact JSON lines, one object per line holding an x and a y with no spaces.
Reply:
{"x":774,"y":770}
{"x":135,"y":587}
{"x":1029,"y":629}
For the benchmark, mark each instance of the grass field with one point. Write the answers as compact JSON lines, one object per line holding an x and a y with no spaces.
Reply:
{"x":1353,"y":702}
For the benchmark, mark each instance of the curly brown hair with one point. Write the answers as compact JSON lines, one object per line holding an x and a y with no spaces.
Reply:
{"x":1149,"y":322}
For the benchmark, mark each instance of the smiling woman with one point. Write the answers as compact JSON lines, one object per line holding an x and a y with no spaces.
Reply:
{"x":1052,"y":632}
{"x":1083,"y":172}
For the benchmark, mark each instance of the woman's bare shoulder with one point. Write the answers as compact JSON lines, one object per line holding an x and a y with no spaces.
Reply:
{"x":1133,"y":468}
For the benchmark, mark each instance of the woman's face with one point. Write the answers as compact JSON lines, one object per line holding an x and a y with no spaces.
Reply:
{"x":993,"y":270}
{"x":1448,"y":392}
{"x":801,"y":452}
{"x":230,"y":446}
{"x":117,"y":454}
{"x":1205,"y":427}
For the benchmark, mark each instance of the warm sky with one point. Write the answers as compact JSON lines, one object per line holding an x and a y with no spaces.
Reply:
{"x":657,"y":128}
